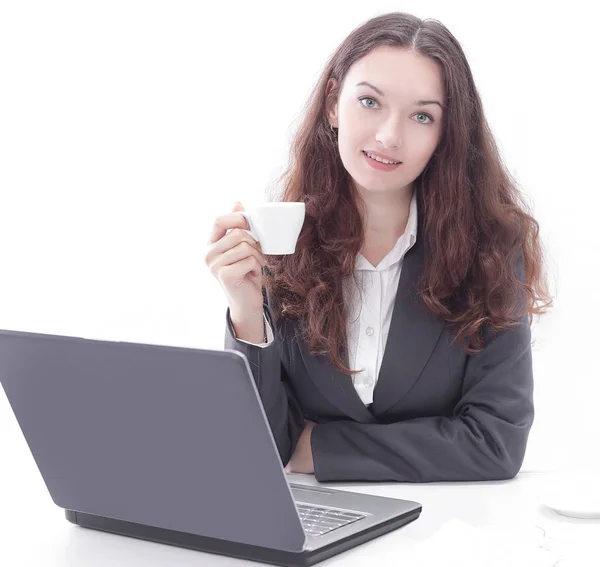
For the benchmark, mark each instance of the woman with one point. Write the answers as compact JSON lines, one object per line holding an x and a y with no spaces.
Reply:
{"x":397,"y":343}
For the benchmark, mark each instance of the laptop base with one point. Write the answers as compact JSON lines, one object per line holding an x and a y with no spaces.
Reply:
{"x":233,"y":549}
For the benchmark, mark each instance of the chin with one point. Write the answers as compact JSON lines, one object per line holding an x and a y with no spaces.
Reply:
{"x":375,"y":183}
{"x":375,"y":189}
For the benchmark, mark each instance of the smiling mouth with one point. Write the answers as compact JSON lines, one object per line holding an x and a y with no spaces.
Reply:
{"x":387,"y":162}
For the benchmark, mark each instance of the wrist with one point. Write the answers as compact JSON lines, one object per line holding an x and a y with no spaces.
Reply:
{"x":249,"y":326}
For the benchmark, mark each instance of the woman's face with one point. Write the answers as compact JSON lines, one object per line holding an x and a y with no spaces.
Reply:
{"x":391,"y":121}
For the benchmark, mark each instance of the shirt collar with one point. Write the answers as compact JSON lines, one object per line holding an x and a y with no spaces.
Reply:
{"x":403,"y":244}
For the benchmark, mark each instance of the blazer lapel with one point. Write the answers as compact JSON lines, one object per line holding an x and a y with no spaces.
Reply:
{"x":336,"y":386}
{"x":413,"y":334}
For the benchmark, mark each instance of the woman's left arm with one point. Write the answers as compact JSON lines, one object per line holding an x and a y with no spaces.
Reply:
{"x":484,"y":439}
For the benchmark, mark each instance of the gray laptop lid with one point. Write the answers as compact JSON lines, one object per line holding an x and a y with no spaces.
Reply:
{"x":165,"y":436}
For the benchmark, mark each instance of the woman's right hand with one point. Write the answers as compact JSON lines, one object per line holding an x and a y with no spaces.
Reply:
{"x":235,"y":259}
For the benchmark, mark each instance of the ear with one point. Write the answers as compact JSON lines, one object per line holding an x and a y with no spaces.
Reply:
{"x":331,"y":104}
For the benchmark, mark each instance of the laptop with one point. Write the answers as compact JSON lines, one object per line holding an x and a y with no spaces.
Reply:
{"x":173,"y":445}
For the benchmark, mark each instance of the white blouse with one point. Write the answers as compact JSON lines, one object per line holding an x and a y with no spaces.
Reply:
{"x":368,"y":328}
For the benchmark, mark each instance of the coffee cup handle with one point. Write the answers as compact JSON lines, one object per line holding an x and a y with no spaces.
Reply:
{"x":247,"y":216}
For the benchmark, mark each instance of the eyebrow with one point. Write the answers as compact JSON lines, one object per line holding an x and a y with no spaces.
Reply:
{"x":380,"y":93}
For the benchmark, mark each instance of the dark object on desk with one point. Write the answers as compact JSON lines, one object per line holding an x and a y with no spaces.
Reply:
{"x":132,"y":439}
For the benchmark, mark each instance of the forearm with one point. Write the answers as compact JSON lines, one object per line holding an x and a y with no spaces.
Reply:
{"x":471,"y":447}
{"x":281,"y":408}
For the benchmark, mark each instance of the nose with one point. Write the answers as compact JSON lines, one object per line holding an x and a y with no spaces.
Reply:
{"x":390,"y":134}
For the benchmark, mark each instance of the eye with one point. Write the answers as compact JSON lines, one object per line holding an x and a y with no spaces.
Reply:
{"x":367,"y":98}
{"x":430,"y":118}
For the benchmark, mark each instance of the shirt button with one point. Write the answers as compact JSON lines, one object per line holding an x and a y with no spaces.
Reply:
{"x":370,"y":331}
{"x":369,"y":381}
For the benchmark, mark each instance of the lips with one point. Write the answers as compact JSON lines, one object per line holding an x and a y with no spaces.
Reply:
{"x":378,"y":165}
{"x":380,"y":155}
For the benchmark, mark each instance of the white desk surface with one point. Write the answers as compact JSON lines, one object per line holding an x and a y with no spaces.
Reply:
{"x":35,"y":532}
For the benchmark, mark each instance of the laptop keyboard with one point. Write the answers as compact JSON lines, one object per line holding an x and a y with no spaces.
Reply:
{"x":318,"y":520}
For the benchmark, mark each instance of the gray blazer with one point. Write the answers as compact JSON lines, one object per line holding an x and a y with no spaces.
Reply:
{"x":438,"y":414}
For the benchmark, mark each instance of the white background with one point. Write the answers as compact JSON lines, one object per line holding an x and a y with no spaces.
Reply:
{"x":126,"y":127}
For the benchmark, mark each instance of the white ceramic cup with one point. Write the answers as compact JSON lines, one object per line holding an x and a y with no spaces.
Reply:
{"x":276,"y":226}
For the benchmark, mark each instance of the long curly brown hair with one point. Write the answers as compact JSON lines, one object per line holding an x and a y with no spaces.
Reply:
{"x":475,"y":219}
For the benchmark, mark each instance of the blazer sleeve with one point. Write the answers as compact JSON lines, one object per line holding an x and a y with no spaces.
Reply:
{"x":484,"y":439}
{"x":269,"y":364}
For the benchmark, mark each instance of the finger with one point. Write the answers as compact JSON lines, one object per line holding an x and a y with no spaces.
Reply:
{"x":235,"y":237}
{"x":223,"y":223}
{"x":242,"y":250}
{"x":247,"y":267}
{"x":239,"y":253}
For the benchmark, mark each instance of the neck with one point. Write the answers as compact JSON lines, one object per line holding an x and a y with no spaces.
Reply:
{"x":386,"y":215}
